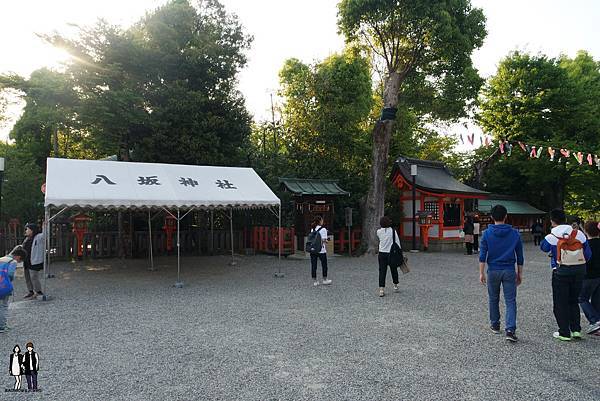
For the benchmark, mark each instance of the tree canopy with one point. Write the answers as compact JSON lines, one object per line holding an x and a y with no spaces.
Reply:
{"x":545,"y":102}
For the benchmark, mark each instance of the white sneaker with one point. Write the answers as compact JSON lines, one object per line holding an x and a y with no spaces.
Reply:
{"x":327,"y":282}
{"x":396,"y":289}
{"x":316,"y":283}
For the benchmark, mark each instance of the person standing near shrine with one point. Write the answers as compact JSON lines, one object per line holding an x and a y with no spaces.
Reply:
{"x":476,"y":231}
{"x":34,"y":262}
{"x":468,"y":229}
{"x":536,"y":230}
{"x":317,"y":226}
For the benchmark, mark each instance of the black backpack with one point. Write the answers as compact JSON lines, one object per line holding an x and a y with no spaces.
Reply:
{"x":314,"y":242}
{"x":396,"y":257}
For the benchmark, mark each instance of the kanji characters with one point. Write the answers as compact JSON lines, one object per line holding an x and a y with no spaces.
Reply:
{"x":225,"y":184}
{"x":100,"y":177}
{"x":188,"y":181}
{"x":149,"y":180}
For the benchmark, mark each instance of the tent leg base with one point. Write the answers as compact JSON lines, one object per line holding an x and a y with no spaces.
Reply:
{"x":49,"y":275}
{"x":233,"y":263}
{"x":178,"y":284}
{"x":44,"y":297}
{"x":152,"y":269}
{"x":279,"y":275}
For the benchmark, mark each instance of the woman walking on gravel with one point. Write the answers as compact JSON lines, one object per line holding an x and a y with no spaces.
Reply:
{"x":387,"y":236}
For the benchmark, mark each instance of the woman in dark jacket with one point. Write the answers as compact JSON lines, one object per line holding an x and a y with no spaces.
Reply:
{"x":31,"y":230}
{"x":468,"y":230}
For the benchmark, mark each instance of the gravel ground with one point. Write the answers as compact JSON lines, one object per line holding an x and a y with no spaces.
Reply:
{"x":115,"y":331}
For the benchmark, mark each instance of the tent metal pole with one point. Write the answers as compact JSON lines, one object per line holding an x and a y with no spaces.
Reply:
{"x":231,"y":234}
{"x":279,"y":245}
{"x":47,"y":235}
{"x":178,"y":284}
{"x":212,"y":232}
{"x":150,"y":242}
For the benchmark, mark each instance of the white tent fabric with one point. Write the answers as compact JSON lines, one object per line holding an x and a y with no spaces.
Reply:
{"x":108,"y":184}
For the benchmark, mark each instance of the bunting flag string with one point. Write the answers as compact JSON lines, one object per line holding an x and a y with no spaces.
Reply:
{"x":536,"y":151}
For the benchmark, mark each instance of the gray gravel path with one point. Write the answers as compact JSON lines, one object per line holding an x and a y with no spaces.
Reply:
{"x":115,"y":331}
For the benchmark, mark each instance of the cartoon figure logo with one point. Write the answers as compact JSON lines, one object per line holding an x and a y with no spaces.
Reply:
{"x":26,"y":364}
{"x":16,"y":366}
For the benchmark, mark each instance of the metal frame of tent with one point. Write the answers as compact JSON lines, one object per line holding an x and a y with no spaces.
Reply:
{"x":272,"y":206}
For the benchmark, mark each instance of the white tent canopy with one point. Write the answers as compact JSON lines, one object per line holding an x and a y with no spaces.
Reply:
{"x":98,"y":184}
{"x":107,"y":184}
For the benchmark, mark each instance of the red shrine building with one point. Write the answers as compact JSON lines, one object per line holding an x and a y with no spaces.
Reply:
{"x":440,"y":196}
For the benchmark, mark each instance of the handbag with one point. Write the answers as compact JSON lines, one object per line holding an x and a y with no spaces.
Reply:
{"x":396,"y":257}
{"x":404,"y":266}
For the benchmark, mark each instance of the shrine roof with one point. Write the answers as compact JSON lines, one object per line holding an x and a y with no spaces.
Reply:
{"x":303,"y":186}
{"x":432,"y":177}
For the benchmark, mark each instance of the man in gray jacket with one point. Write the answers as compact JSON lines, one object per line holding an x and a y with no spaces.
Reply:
{"x":34,"y":263}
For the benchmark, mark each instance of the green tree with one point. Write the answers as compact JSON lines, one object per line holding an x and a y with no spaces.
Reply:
{"x":47,"y":125}
{"x":21,"y":194}
{"x":163,"y":90}
{"x":544,"y":102}
{"x":425,"y":47}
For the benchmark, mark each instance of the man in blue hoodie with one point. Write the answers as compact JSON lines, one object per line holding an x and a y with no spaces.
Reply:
{"x":501,"y":248}
{"x":567,"y":280}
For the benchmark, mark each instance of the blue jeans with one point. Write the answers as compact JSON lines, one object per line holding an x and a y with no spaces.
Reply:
{"x":3,"y":311}
{"x":508,"y":279}
{"x":590,"y":291}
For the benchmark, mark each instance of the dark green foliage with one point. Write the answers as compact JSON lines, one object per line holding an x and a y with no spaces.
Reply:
{"x":545,"y":102}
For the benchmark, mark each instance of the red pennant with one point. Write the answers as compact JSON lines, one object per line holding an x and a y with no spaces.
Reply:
{"x":501,"y":147}
{"x":471,"y":138}
{"x":579,"y":157}
{"x":533,"y":152}
{"x":590,"y":160}
{"x":565,"y":152}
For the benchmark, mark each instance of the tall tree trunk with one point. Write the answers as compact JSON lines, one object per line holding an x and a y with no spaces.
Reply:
{"x":382,"y":133}
{"x":55,"y":141}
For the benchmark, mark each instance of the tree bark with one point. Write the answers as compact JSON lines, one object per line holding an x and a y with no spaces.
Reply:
{"x":382,"y":133}
{"x":55,"y":141}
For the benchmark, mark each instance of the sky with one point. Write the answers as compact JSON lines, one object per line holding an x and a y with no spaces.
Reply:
{"x":305,"y":30}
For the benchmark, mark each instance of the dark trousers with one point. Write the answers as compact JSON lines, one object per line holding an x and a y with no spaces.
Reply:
{"x":384,"y":258}
{"x":565,"y":296}
{"x":469,"y":246}
{"x":589,"y":299}
{"x":537,"y":238}
{"x":32,"y":381}
{"x":313,"y":264}
{"x":476,"y":242}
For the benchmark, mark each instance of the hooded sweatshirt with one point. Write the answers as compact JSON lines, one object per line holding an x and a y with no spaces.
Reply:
{"x":549,"y":245}
{"x":501,"y":247}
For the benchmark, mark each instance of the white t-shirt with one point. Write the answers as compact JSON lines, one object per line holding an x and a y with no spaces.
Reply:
{"x":323,"y":233}
{"x":476,"y":228}
{"x":386,"y":239}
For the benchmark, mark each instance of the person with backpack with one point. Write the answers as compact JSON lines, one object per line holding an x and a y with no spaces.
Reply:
{"x":8,"y":266}
{"x":569,"y":250}
{"x":589,"y":298}
{"x":315,"y":245}
{"x":501,"y":248}
{"x":388,"y":243}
